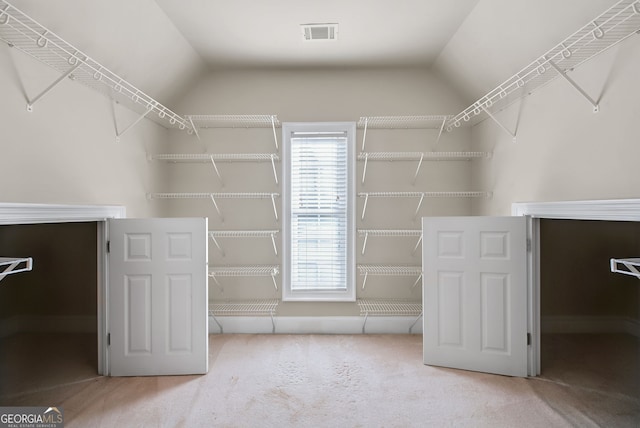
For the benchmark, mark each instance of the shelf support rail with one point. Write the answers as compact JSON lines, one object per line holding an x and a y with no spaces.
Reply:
{"x":213,"y":199}
{"x":193,"y":126}
{"x":273,"y":165}
{"x":563,"y":74}
{"x":30,"y":103}
{"x":364,"y":170}
{"x":364,"y":136}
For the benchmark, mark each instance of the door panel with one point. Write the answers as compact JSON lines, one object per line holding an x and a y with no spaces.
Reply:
{"x":158,"y":297}
{"x":474,"y":293}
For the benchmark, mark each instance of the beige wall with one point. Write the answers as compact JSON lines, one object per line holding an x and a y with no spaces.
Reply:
{"x":64,"y":152}
{"x":563,"y":150}
{"x":575,"y":276}
{"x":307,"y":96}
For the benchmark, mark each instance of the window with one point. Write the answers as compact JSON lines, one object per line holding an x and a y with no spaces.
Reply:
{"x":318,"y":211}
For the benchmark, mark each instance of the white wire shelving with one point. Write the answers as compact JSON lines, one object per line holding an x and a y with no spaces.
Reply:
{"x":365,"y":233}
{"x":245,"y":271}
{"x":12,"y":265}
{"x":22,"y":32}
{"x":402,"y":122}
{"x":200,"y":121}
{"x":389,"y":270}
{"x":611,"y":27}
{"x":266,"y":307}
{"x":389,"y":307}
{"x":214,"y":196}
{"x":420,"y":157}
{"x":421,"y":195}
{"x":217,"y":234}
{"x":626,"y":266}
{"x":213,"y":159}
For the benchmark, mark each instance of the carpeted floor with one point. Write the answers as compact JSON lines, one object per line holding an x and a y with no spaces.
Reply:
{"x":330,"y":381}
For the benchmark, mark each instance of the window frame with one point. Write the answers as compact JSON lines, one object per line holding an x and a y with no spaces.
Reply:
{"x":333,"y":295}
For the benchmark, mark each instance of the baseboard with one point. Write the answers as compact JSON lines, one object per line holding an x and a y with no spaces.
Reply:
{"x":588,"y":324}
{"x":316,"y":325}
{"x":48,"y":324}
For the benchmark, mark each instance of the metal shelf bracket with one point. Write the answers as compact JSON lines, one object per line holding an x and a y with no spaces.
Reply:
{"x":30,"y":103}
{"x":563,"y":74}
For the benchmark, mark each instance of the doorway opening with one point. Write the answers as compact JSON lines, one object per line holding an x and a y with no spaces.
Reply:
{"x":589,"y":316}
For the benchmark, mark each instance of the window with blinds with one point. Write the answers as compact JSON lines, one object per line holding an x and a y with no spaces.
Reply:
{"x":318,"y":211}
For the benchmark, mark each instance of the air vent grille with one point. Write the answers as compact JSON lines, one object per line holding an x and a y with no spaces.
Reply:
{"x":318,"y":32}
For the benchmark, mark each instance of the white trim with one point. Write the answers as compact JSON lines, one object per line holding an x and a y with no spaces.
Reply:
{"x":606,"y":209}
{"x":317,"y":325}
{"x":612,"y":210}
{"x":19,"y":213}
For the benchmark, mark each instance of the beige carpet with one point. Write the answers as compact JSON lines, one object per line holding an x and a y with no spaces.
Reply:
{"x":348,"y":381}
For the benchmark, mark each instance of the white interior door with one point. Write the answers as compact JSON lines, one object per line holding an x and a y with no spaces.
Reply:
{"x":475,"y":293}
{"x":158,"y":296}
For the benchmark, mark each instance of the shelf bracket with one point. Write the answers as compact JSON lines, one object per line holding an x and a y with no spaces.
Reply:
{"x":415,"y":176}
{"x":135,"y":122}
{"x":273,"y":127}
{"x":14,"y":267}
{"x":364,"y":244}
{"x":504,"y":128}
{"x":417,"y":245}
{"x":364,"y":208}
{"x":273,"y":278}
{"x":215,"y":241}
{"x":364,"y":170}
{"x":415,"y":322}
{"x":30,"y":103}
{"x":273,"y":165}
{"x":444,"y":121}
{"x":418,"y":208}
{"x":216,"y":320}
{"x":364,"y":281}
{"x":215,"y":167}
{"x":364,"y":324}
{"x":417,"y":281}
{"x":562,"y":73}
{"x":273,"y":202}
{"x":193,"y":126}
{"x":273,"y":241}
{"x":213,"y":199}
{"x":364,"y":135}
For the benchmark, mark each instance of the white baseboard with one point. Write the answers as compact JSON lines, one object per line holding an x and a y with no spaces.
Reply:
{"x":48,"y":324}
{"x":316,"y":325}
{"x":587,"y":324}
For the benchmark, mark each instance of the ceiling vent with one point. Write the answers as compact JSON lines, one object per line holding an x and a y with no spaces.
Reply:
{"x":317,"y":32}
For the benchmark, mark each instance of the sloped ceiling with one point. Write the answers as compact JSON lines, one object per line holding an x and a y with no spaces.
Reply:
{"x":164,"y":46}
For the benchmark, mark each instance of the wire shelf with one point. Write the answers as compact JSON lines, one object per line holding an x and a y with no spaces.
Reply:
{"x":12,"y":265}
{"x":626,"y":266}
{"x":219,"y":157}
{"x":608,"y":29}
{"x":403,"y":122}
{"x":389,"y":270}
{"x":424,"y":194}
{"x":390,"y":307}
{"x":244,"y":308}
{"x":22,"y":32}
{"x":234,"y":121}
{"x":214,"y":234}
{"x":227,"y":195}
{"x":416,"y":156}
{"x":390,"y":232}
{"x":250,"y":270}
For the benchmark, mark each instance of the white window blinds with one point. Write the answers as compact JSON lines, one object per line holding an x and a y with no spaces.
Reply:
{"x":318,"y":211}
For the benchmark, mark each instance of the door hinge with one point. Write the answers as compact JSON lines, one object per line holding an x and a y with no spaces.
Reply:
{"x":528,"y":245}
{"x":108,"y":339}
{"x":108,"y":246}
{"x":528,"y":339}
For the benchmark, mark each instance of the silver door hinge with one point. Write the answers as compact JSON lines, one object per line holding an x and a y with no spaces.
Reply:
{"x":108,"y":246}
{"x":528,"y":245}
{"x":108,"y":339}
{"x":528,"y":339}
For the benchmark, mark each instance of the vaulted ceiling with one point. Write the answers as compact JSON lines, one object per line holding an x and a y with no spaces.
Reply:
{"x":163,"y":46}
